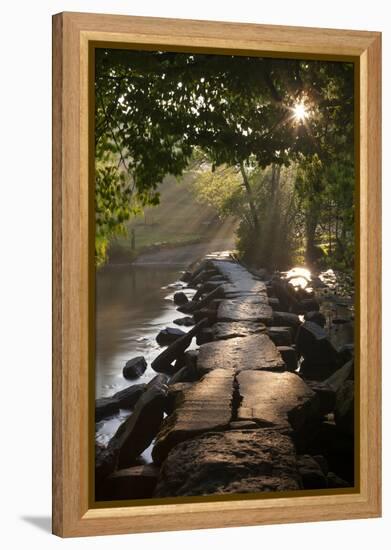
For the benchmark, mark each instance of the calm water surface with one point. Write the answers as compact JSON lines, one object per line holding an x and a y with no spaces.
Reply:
{"x":132,"y":304}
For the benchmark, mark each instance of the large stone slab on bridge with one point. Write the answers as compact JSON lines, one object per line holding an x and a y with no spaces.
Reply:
{"x":248,"y":287}
{"x":240,"y":280}
{"x":232,"y":462}
{"x":245,"y":308}
{"x":282,"y":400}
{"x":231,"y":270}
{"x":254,"y":352}
{"x":205,"y":406}
{"x":223,"y":331}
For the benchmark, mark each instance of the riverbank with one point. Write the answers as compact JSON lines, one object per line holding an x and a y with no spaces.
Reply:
{"x":171,"y":253}
{"x":264,"y":404}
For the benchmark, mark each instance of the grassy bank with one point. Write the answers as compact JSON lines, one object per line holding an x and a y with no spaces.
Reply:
{"x":177,"y":220}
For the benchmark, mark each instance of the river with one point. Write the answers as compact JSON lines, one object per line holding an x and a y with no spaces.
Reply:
{"x":133,"y":303}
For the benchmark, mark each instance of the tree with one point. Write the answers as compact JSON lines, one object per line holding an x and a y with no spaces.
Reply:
{"x":153,"y":109}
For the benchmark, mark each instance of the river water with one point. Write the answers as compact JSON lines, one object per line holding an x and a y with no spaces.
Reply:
{"x":132,"y":304}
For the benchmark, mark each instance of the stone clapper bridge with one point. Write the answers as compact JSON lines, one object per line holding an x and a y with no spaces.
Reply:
{"x":236,"y":410}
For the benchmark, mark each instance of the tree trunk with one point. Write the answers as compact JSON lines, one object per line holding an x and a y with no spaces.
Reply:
{"x":250,"y":199}
{"x":274,"y":217}
{"x":310,"y":227}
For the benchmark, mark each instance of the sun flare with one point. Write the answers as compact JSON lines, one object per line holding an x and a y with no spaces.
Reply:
{"x":300,"y":112}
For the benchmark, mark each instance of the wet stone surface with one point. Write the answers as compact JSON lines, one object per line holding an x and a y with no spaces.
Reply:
{"x":276,"y":399}
{"x":249,"y":461}
{"x":204,"y":406}
{"x":246,"y":308}
{"x":255,"y":352}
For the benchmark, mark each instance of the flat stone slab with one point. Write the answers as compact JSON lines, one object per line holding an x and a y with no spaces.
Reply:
{"x":254,"y":352}
{"x":245,"y":308}
{"x":223,"y":331}
{"x":203,"y":407}
{"x":232,"y":462}
{"x":282,"y":399}
{"x":240,"y":280}
{"x":247,"y":287}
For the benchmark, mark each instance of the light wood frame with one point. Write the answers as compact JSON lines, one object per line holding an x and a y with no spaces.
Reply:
{"x":73,"y":34}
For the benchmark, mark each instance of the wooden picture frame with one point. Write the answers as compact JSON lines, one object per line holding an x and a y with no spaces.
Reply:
{"x":74,"y":37}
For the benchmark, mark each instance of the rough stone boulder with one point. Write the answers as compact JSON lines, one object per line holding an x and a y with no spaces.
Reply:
{"x":187,"y":359}
{"x":104,"y":407}
{"x":202,"y":274}
{"x":346,"y":352}
{"x":335,"y":482}
{"x":274,"y":303}
{"x":138,"y":431}
{"x":285,"y":294}
{"x":336,"y":446}
{"x":207,"y":313}
{"x":308,"y":304}
{"x":231,"y":462}
{"x":315,"y":317}
{"x":327,"y":389}
{"x":274,"y":399}
{"x":344,"y":408}
{"x":130,"y":483}
{"x":128,"y":397}
{"x":205,"y":406}
{"x":281,"y":336}
{"x":314,"y":345}
{"x":255,"y":352}
{"x":135,"y":367}
{"x":210,"y":285}
{"x":188,"y":373}
{"x":289,"y":355}
{"x":223,"y":331}
{"x":195,"y":304}
{"x":217,"y":278}
{"x":186,"y":276}
{"x":316,"y":371}
{"x":246,"y":308}
{"x":284,"y":319}
{"x":326,"y":395}
{"x":105,"y":459}
{"x":169,"y":335}
{"x":180,"y":298}
{"x":186,"y":321}
{"x":159,"y":380}
{"x":312,"y":475}
{"x":206,"y":335}
{"x":340,"y":376}
{"x":163,"y":362}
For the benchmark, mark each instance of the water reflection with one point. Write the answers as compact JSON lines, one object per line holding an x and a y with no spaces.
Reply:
{"x":298,"y":277}
{"x":132,"y":305}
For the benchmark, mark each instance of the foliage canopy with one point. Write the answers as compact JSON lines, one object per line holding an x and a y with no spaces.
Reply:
{"x":157,"y":113}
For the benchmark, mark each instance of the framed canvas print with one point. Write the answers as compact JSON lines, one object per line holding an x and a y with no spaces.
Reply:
{"x":216,"y":239}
